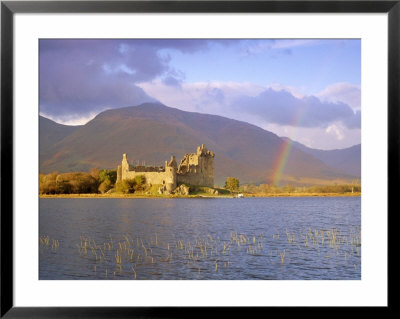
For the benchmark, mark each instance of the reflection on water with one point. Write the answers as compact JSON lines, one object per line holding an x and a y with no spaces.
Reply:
{"x":249,"y":238}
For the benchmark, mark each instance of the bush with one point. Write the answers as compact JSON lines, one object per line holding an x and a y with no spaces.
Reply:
{"x":126,"y":186}
{"x":76,"y":183}
{"x":139,"y":182}
{"x":105,"y":186}
{"x":67,"y":183}
{"x":272,"y":189}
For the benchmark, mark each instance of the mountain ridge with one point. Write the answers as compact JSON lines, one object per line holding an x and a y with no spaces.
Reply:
{"x":152,"y":132}
{"x":348,"y":159}
{"x":51,"y":133}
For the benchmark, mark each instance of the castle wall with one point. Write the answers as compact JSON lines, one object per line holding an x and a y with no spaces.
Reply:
{"x":151,"y":177}
{"x":119,"y":173}
{"x":196,"y":169}
{"x":194,"y":180}
{"x":200,"y":175}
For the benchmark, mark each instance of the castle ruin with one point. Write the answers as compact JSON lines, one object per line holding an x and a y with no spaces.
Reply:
{"x":195,"y":169}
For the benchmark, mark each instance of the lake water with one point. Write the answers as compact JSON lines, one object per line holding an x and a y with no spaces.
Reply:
{"x":219,"y":238}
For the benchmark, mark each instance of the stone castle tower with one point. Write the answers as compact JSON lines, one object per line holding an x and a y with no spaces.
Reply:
{"x":170,"y":175}
{"x":196,"y":169}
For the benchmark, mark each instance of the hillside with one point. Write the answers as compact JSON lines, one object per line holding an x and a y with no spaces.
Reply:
{"x":152,"y":132}
{"x":51,"y":133}
{"x":347,"y":160}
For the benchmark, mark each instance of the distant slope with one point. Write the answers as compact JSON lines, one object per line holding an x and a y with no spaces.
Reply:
{"x":51,"y":133}
{"x":153,"y":132}
{"x":347,"y":160}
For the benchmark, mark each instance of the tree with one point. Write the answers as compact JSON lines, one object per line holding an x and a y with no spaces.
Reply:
{"x":232,"y":184}
{"x":288,"y":188}
{"x":47,"y":183}
{"x":108,"y":174}
{"x":76,"y":183}
{"x":125,"y":186}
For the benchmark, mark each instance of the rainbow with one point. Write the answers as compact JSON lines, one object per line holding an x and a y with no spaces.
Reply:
{"x":284,"y":151}
{"x":280,"y":161}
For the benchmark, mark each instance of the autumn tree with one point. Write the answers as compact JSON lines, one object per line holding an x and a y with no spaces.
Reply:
{"x":67,"y":183}
{"x":232,"y":184}
{"x":108,"y":174}
{"x":47,"y":183}
{"x":76,"y":183}
{"x":94,"y":172}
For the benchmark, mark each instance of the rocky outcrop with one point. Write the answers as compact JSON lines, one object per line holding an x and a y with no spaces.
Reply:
{"x":163,"y":190}
{"x":212,"y":191}
{"x":182,"y":190}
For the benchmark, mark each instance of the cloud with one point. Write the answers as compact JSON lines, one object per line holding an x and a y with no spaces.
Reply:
{"x":208,"y":97}
{"x":172,"y":81}
{"x":79,"y":77}
{"x":285,"y":46}
{"x":353,"y":122}
{"x":255,"y":103}
{"x":335,"y":136}
{"x":293,"y":43}
{"x":72,"y":119}
{"x":342,"y":92}
{"x":283,"y":108}
{"x":336,"y":131}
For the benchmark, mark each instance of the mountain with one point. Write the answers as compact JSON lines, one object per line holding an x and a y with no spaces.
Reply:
{"x":347,"y":160}
{"x":152,"y":132}
{"x":51,"y":133}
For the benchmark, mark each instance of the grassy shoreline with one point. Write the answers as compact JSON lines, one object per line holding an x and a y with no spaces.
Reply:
{"x":200,"y":196}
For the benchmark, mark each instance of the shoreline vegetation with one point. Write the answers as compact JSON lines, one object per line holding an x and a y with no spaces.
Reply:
{"x":116,"y":195}
{"x":102,"y":184}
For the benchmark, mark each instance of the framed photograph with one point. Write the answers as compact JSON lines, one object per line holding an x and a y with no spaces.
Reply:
{"x":164,"y":155}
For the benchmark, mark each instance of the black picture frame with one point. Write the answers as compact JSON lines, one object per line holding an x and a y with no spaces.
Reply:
{"x":9,"y":8}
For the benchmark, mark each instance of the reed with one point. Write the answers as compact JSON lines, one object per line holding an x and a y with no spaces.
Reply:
{"x":306,"y":241}
{"x":55,"y":244}
{"x":290,"y":237}
{"x":282,"y":254}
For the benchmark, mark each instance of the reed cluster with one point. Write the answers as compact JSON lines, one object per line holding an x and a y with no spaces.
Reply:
{"x":45,"y":242}
{"x":208,"y":256}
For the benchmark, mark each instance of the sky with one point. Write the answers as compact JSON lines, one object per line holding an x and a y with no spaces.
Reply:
{"x":306,"y":89}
